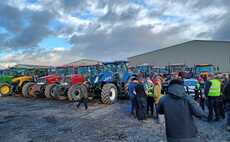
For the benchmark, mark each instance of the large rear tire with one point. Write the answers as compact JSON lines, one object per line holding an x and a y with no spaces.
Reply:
{"x":5,"y":89}
{"x":109,"y":94}
{"x":27,"y":89}
{"x":77,"y":92}
{"x":50,"y":91}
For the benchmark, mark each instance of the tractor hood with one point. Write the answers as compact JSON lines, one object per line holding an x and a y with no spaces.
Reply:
{"x":6,"y":79}
{"x":106,"y":76}
{"x":75,"y":79}
{"x":16,"y":79}
{"x":53,"y":78}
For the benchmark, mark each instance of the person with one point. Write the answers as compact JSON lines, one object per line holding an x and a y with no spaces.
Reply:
{"x":132,"y":95}
{"x":150,"y":96}
{"x":83,"y":97}
{"x":199,"y":93}
{"x":213,"y":92}
{"x":226,"y":93}
{"x":157,"y":95}
{"x":141,"y":100}
{"x":179,"y":109}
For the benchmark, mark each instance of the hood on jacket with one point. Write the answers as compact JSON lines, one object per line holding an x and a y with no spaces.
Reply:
{"x":176,"y":89}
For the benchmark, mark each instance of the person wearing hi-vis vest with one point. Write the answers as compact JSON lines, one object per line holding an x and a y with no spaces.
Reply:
{"x":212,"y":92}
{"x":150,"y":96}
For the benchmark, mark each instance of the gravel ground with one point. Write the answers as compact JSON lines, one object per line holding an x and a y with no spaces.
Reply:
{"x":41,"y":120}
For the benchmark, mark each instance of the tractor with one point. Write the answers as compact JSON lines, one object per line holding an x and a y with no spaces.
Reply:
{"x":100,"y":81}
{"x":111,"y":82}
{"x":73,"y":83}
{"x":90,"y":73}
{"x":145,"y":70}
{"x":172,"y":68}
{"x":29,"y":80}
{"x":58,"y":83}
{"x":69,"y":80}
{"x":15,"y":79}
{"x":43,"y":87}
{"x":5,"y":82}
{"x":204,"y":70}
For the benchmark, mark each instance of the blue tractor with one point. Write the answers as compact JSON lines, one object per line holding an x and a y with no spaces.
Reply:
{"x":111,"y":82}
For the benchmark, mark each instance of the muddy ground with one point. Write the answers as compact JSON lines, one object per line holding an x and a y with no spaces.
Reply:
{"x":41,"y":120}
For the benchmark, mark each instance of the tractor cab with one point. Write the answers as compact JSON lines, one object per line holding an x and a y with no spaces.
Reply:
{"x":176,"y":68}
{"x":90,"y":72}
{"x":145,"y":69}
{"x":204,"y":70}
{"x":114,"y":72}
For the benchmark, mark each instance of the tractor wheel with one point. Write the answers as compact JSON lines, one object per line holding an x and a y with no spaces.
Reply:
{"x":77,"y":91}
{"x":109,"y":94}
{"x":50,"y":91}
{"x":5,"y":89}
{"x":27,"y":89}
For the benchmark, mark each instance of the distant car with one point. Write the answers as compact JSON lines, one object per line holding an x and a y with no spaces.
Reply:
{"x":190,"y":85}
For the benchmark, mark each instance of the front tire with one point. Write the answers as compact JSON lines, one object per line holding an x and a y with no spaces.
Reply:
{"x":77,"y":92}
{"x":50,"y":90}
{"x":109,"y":94}
{"x":5,"y":89}
{"x":27,"y":89}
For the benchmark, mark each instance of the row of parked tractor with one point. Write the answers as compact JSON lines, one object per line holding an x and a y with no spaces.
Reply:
{"x":106,"y":81}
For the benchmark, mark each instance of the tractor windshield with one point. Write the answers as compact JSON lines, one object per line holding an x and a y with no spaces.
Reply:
{"x":64,"y":71}
{"x":84,"y":70}
{"x":176,"y":68}
{"x":116,"y":67}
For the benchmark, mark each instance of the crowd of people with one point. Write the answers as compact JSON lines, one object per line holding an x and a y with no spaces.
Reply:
{"x":148,"y":100}
{"x":144,"y":96}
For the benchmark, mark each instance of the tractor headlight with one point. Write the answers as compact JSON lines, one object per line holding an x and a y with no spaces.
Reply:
{"x":64,"y":83}
{"x":41,"y":81}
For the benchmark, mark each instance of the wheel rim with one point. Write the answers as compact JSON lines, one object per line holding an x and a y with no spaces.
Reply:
{"x":75,"y":94}
{"x":112,"y":94}
{"x":5,"y":90}
{"x":30,"y":91}
{"x":52,"y":92}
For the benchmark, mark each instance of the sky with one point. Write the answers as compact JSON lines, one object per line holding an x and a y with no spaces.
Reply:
{"x":55,"y":32}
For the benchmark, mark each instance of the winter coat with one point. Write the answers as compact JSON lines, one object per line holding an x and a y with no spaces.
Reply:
{"x":157,"y":93}
{"x":227,"y":93}
{"x":178,"y":109}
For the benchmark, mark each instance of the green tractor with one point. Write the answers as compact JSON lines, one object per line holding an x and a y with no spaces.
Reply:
{"x":5,"y":83}
{"x":15,"y":78}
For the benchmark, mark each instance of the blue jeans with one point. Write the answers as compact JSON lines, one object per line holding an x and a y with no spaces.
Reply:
{"x":227,"y":111}
{"x":133,"y":102}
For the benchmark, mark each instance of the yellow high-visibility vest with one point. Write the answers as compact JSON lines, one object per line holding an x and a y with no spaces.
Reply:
{"x":215,"y":89}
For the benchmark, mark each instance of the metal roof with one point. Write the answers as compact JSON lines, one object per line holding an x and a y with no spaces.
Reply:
{"x":187,"y":42}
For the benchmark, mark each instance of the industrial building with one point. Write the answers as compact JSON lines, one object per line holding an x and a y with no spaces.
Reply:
{"x":189,"y":53}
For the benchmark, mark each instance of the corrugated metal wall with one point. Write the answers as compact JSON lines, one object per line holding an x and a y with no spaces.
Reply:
{"x":190,"y":53}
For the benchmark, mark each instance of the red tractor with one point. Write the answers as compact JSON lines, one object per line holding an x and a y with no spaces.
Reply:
{"x":49,"y":86}
{"x":74,"y":85}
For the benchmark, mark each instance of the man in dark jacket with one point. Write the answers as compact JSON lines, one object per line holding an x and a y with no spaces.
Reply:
{"x":227,"y":105}
{"x":178,"y":109}
{"x":141,"y":98}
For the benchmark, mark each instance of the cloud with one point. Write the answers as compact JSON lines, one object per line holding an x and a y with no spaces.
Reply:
{"x":10,"y":18}
{"x":30,"y":36}
{"x":105,"y":29}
